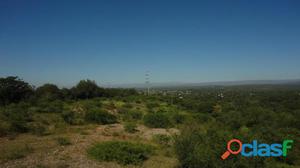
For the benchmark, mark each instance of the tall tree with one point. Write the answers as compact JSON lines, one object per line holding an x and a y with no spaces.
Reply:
{"x":86,"y":89}
{"x":49,"y":92}
{"x":13,"y":90}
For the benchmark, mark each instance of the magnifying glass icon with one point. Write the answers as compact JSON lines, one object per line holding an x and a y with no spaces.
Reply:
{"x":229,"y":151}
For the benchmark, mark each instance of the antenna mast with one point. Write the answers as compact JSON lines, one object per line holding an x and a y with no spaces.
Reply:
{"x":147,"y":81}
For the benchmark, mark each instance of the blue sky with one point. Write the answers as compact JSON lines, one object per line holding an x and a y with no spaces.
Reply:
{"x":116,"y":42}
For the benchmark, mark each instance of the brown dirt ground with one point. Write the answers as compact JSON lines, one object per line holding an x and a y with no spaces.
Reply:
{"x":47,"y":153}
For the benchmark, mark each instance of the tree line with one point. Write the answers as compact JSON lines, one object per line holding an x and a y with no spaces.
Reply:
{"x":13,"y":90}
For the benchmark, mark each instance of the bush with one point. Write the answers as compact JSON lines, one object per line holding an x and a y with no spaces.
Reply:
{"x":74,"y":115}
{"x":157,"y":120}
{"x":128,"y":105}
{"x":121,"y":152}
{"x":197,"y":145}
{"x":202,"y":117}
{"x":44,"y":106}
{"x":162,"y":139}
{"x":152,"y":105}
{"x":131,"y":115}
{"x":91,"y":104}
{"x":100,"y":117}
{"x":52,"y":107}
{"x":16,"y":117}
{"x":178,"y":118}
{"x":63,"y":141}
{"x":130,"y":127}
{"x":37,"y":129}
{"x":4,"y":128}
{"x":69,"y":117}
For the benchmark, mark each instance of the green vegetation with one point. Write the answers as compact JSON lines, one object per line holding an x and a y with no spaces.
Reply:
{"x":13,"y":90}
{"x":100,"y":117}
{"x":131,"y":115}
{"x":269,"y":116}
{"x":205,"y":119}
{"x":121,"y":152}
{"x":130,"y":127}
{"x":163,"y":140}
{"x":15,"y":117}
{"x":178,"y":118}
{"x":37,"y":128}
{"x":157,"y":120}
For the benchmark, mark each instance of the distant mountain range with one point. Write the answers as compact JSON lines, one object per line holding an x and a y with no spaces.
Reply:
{"x":203,"y":84}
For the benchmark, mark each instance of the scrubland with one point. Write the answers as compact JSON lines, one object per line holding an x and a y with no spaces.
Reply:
{"x":89,"y":126}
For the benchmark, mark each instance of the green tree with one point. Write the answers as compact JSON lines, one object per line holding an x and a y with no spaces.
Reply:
{"x":86,"y":89}
{"x":13,"y":90}
{"x":49,"y":92}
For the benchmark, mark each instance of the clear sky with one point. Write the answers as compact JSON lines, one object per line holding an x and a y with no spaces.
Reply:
{"x":177,"y":41}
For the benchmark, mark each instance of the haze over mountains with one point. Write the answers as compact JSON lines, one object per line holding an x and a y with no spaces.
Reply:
{"x":202,"y":84}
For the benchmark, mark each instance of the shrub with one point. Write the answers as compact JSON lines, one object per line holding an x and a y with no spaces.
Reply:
{"x":178,"y":118}
{"x":50,"y":107}
{"x":202,"y":117}
{"x":17,"y":117}
{"x":128,"y":105}
{"x":162,"y":109}
{"x":162,"y":139}
{"x":152,"y":105}
{"x":63,"y":141}
{"x":130,"y":127}
{"x":92,"y":103}
{"x":69,"y":117}
{"x":121,"y":152}
{"x":123,"y":110}
{"x":197,"y":145}
{"x":100,"y":117}
{"x":157,"y":120}
{"x":111,"y":106}
{"x":37,"y":129}
{"x":4,"y":128}
{"x":72,"y":117}
{"x":193,"y":149}
{"x":131,"y":115}
{"x":135,"y":115}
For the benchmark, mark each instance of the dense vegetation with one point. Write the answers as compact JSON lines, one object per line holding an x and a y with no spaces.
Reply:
{"x":121,"y":152}
{"x":220,"y":114}
{"x":206,"y":117}
{"x":21,"y":102}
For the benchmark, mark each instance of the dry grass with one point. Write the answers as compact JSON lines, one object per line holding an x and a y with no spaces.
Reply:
{"x":46,"y":152}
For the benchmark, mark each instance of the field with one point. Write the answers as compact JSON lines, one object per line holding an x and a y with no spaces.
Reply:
{"x":89,"y":126}
{"x":46,"y":151}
